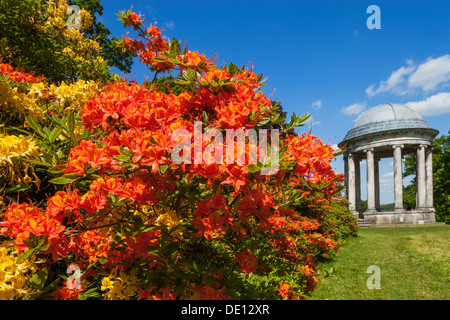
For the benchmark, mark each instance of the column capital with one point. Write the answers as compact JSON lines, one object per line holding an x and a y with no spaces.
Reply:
{"x":395,"y":146}
{"x":420,"y":146}
{"x":368,"y":150}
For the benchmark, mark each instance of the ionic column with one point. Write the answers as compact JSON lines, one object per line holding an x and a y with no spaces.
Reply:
{"x":370,"y":182}
{"x":377,"y":185}
{"x":421,"y":178}
{"x":429,"y":177}
{"x":346,"y":174}
{"x":357,"y":185}
{"x":351,"y":182}
{"x":398,"y":179}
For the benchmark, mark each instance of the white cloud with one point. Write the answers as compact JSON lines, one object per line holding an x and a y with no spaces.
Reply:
{"x":431,"y":75}
{"x":394,"y":82}
{"x":317,"y":104}
{"x":388,"y":175}
{"x":354,"y":109}
{"x":170,"y":24}
{"x":387,"y":179}
{"x":335,"y":147}
{"x":432,"y":106}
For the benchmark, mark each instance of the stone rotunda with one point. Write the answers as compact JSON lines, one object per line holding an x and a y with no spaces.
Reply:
{"x":385,"y":131}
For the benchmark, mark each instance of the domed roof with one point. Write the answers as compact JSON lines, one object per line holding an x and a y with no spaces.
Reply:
{"x":386,"y":117}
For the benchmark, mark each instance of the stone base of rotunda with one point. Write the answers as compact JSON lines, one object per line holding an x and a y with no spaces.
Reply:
{"x":416,"y":216}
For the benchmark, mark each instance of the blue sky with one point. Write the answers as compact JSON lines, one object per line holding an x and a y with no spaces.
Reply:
{"x":319,"y":56}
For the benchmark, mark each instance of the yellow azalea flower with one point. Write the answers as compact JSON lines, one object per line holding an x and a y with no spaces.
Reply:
{"x":145,"y":210}
{"x":17,"y":104}
{"x":170,"y":219}
{"x":73,"y":34}
{"x":5,"y":94}
{"x":14,"y":276}
{"x":76,"y":94}
{"x":12,"y":147}
{"x":13,"y":151}
{"x":119,"y":286}
{"x":37,"y":89}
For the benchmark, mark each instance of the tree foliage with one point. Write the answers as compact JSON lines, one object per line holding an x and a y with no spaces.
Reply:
{"x":441,"y":178}
{"x":35,"y":35}
{"x":110,"y":52}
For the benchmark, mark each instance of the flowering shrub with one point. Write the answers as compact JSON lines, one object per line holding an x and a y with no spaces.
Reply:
{"x":112,"y":201}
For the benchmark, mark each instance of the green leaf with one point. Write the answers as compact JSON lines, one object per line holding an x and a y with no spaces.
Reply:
{"x":92,"y":170}
{"x":340,"y":152}
{"x":175,"y":47}
{"x":38,"y":281}
{"x":16,"y":189}
{"x":327,"y":184}
{"x":122,"y":157}
{"x":43,"y":247}
{"x":91,"y":293}
{"x":159,"y":59}
{"x":253,"y":168}
{"x":54,"y":171}
{"x":39,"y":163}
{"x":163,"y":167}
{"x":179,"y":81}
{"x":59,"y":122}
{"x":65,"y":179}
{"x":264,"y":121}
{"x":229,"y":88}
{"x":70,"y":122}
{"x":25,"y":254}
{"x":54,"y":134}
{"x":33,"y":125}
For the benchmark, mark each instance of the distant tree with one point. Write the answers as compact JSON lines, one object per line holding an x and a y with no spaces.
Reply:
{"x":363,"y":205}
{"x":111,"y":52}
{"x":441,"y":178}
{"x":34,"y":35}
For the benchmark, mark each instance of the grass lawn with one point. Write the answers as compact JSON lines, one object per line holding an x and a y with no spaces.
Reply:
{"x":414,"y":264}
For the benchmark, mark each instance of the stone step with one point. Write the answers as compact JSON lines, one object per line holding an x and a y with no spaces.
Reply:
{"x":363,"y":224}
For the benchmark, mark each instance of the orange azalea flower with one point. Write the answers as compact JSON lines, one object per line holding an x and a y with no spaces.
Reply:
{"x":85,"y":152}
{"x":161,"y":294}
{"x":194,"y":59}
{"x":64,"y":293}
{"x":134,"y":20}
{"x":215,"y":74}
{"x":208,"y":292}
{"x":92,"y":245}
{"x":20,"y":220}
{"x":62,"y":202}
{"x":133,"y":45}
{"x":108,"y":185}
{"x":152,"y":154}
{"x":284,"y":290}
{"x":143,"y":243}
{"x":139,"y":187}
{"x":154,"y":31}
{"x":93,"y":201}
{"x":257,"y":202}
{"x":247,"y":260}
{"x":18,"y":75}
{"x":212,"y":217}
